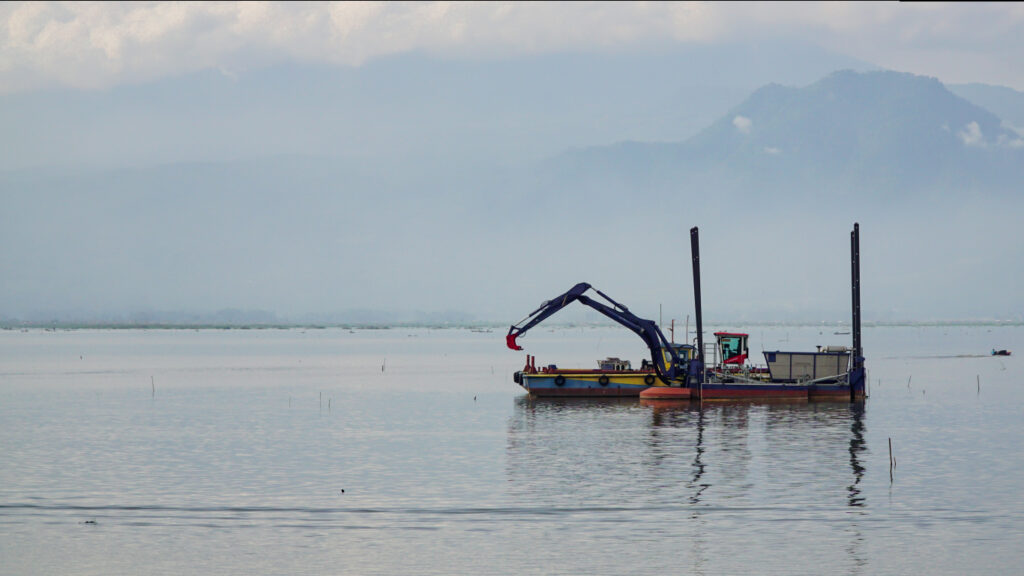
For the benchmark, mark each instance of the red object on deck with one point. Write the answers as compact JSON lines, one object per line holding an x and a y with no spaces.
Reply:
{"x":666,"y":393}
{"x":531,"y":366}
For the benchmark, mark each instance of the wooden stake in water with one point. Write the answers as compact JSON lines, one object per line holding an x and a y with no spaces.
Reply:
{"x":891,"y":461}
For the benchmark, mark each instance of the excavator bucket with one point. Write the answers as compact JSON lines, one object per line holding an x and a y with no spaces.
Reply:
{"x":510,"y":341}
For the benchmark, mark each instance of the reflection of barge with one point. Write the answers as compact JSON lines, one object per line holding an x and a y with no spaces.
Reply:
{"x":684,"y":371}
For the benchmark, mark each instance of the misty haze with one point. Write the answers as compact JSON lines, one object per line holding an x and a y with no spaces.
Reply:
{"x":423,"y":187}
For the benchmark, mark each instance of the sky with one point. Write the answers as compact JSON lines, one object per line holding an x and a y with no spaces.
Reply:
{"x":96,"y":45}
{"x":106,"y":249}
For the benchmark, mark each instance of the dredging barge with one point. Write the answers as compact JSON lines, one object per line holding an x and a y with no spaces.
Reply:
{"x":681,"y":371}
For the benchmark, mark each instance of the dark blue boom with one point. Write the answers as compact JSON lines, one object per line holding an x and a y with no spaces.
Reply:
{"x":666,"y":360}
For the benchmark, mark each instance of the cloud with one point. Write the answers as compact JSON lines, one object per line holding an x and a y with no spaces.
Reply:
{"x":1012,"y":138}
{"x":95,"y":45}
{"x":742,"y":124}
{"x":1010,"y":142}
{"x":971,"y":135}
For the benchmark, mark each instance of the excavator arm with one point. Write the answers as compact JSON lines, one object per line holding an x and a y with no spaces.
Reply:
{"x":543,"y":312}
{"x":664,"y":357}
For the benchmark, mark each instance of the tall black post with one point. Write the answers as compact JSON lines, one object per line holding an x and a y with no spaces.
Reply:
{"x":855,"y":263}
{"x":695,"y":251}
{"x":857,"y":370}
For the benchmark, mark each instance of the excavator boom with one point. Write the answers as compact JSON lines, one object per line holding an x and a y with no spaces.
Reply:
{"x":665,"y":359}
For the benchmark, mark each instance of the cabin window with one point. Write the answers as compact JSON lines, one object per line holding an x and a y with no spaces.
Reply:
{"x":731,"y":346}
{"x":685,"y":352}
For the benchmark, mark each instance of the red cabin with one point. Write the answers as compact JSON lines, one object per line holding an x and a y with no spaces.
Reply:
{"x":732,"y":347}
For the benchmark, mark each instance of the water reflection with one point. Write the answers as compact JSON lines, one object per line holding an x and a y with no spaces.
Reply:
{"x":857,"y":446}
{"x":697,"y":466}
{"x":736,"y":451}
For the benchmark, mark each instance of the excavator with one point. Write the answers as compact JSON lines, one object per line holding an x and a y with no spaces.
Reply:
{"x":671,"y":368}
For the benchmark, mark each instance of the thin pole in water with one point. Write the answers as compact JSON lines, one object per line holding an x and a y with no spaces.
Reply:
{"x":892,"y":461}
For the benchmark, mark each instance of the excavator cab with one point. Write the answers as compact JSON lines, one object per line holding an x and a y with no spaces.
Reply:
{"x":732,"y":348}
{"x":684,"y":353}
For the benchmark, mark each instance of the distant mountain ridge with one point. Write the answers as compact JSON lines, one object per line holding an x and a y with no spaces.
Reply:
{"x":890,"y":132}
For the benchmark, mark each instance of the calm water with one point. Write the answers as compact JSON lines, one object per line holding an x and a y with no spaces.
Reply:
{"x":412,"y":452}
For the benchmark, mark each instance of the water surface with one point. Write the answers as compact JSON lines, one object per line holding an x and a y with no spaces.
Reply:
{"x":411,"y":451}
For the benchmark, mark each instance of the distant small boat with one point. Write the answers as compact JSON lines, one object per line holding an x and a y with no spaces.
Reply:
{"x":1000,"y":352}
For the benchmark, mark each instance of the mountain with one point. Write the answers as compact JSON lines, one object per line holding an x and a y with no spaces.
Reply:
{"x":880,"y":134}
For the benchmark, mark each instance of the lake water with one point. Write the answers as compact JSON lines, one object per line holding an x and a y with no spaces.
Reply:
{"x":411,"y":451}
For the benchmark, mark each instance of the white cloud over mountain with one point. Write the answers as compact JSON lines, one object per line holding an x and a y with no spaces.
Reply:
{"x":96,"y":45}
{"x":742,"y":124}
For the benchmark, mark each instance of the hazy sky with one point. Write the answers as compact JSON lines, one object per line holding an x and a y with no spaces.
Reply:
{"x":96,"y":45}
{"x":173,"y":89}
